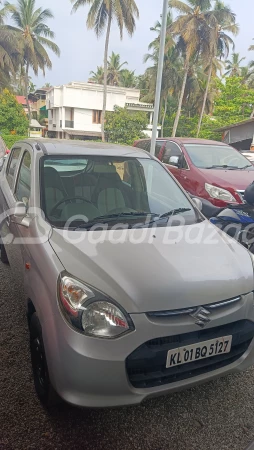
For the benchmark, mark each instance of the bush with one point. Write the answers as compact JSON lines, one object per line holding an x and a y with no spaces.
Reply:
{"x":13,"y":119}
{"x":125,"y":127}
{"x":10,"y":139}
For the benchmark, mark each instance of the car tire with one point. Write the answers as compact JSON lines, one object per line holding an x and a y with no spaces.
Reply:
{"x":44,"y":389}
{"x":4,"y":257}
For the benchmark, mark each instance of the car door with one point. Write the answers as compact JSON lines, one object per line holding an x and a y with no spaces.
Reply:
{"x":173,"y":150}
{"x":20,"y":227}
{"x":17,"y":249}
{"x":7,"y":201}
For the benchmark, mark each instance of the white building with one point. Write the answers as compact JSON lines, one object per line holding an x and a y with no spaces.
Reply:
{"x":74,"y":109}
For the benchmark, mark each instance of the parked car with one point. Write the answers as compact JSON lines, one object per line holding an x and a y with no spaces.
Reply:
{"x":118,"y":314}
{"x":248,"y":154}
{"x":208,"y":169}
{"x":3,"y":148}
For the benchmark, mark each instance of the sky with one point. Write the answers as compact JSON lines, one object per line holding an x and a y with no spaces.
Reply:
{"x":82,"y":52}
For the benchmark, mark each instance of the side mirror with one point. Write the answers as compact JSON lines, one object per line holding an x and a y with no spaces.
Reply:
{"x":174,"y":161}
{"x":198,"y":203}
{"x":20,"y":210}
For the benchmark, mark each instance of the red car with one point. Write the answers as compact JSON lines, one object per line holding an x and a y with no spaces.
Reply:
{"x":208,"y":169}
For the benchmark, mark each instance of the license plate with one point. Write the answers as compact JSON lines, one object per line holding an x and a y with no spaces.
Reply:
{"x":195,"y":352}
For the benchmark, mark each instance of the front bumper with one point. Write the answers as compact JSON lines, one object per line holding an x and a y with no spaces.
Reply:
{"x":96,"y":373}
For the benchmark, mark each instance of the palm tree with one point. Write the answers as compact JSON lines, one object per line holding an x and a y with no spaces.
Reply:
{"x":172,"y":69}
{"x":9,"y":49}
{"x":251,"y":47}
{"x":97,"y":76}
{"x":222,"y":20}
{"x":234,"y":68}
{"x":100,"y":17}
{"x":34,"y":36}
{"x":194,"y":34}
{"x":47,"y":85}
{"x":115,"y":68}
{"x":128,"y":78}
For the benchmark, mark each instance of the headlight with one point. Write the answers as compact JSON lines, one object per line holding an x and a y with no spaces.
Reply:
{"x":90,"y":311}
{"x":219,"y":193}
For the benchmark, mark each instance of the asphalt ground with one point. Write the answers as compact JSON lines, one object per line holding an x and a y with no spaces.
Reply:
{"x":216,"y":416}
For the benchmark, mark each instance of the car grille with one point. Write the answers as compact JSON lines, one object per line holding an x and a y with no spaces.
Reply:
{"x":146,"y":366}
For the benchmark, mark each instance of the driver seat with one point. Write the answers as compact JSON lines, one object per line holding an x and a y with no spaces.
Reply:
{"x":108,"y":194}
{"x":53,"y":188}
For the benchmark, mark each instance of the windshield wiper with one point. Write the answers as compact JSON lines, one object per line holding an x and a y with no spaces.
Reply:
{"x":109,"y":217}
{"x":173,"y":212}
{"x":223,"y":166}
{"x":245,"y":167}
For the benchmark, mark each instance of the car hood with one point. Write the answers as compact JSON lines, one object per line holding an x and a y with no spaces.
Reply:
{"x":236,"y":179}
{"x":146,"y":270}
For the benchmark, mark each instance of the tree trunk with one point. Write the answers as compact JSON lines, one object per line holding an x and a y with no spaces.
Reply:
{"x":178,"y":114}
{"x":27,"y":92}
{"x":105,"y":76}
{"x":252,"y":114}
{"x":164,"y":116}
{"x":205,"y":98}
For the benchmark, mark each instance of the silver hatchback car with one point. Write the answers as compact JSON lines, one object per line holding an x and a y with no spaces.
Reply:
{"x":130,"y":292}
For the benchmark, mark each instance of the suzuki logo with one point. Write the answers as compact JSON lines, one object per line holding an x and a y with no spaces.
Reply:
{"x":201,"y":316}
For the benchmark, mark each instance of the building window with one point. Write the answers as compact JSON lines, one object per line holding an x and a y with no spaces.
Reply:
{"x":97,"y":116}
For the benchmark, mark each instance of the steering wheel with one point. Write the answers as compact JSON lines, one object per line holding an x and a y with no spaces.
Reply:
{"x":68,"y":200}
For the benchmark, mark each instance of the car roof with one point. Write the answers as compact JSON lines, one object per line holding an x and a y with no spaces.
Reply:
{"x":78,"y":148}
{"x":187,"y":140}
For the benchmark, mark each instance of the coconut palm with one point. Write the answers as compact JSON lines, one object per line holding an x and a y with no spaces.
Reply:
{"x":35,"y":36}
{"x":115,"y":68}
{"x":9,"y":49}
{"x":171,"y":79}
{"x":251,"y":47}
{"x":172,"y":69}
{"x":192,"y":27}
{"x":234,"y":68}
{"x":97,"y":76}
{"x":222,"y":21}
{"x":100,"y":17}
{"x":128,"y":79}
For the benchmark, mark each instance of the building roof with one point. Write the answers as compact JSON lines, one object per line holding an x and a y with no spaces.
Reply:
{"x":35,"y":124}
{"x":234,"y":125}
{"x":22,"y":100}
{"x":67,"y":147}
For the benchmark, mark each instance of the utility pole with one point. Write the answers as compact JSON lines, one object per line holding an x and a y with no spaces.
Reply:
{"x":159,"y":75}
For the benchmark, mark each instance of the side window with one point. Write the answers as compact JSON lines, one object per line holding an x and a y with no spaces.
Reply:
{"x":172,"y":149}
{"x":158,"y":146}
{"x":24,"y":179}
{"x":12,"y":164}
{"x":142,"y":144}
{"x":147,"y":146}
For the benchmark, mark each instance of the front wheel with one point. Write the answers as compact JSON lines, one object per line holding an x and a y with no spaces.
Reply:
{"x":43,"y":386}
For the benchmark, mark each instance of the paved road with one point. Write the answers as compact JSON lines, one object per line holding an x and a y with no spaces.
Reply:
{"x":215,"y":416}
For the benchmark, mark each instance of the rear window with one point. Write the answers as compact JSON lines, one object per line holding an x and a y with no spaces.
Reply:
{"x":144,"y":145}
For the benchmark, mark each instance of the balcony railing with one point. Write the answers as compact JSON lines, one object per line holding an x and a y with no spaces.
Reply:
{"x":69,"y":124}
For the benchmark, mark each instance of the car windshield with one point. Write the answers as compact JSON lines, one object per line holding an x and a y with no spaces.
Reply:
{"x":217,"y":157}
{"x":97,"y":189}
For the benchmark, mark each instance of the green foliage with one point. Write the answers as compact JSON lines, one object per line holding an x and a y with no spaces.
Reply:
{"x":13,"y":119}
{"x":124,"y":127}
{"x":11,"y":139}
{"x":235,"y":101}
